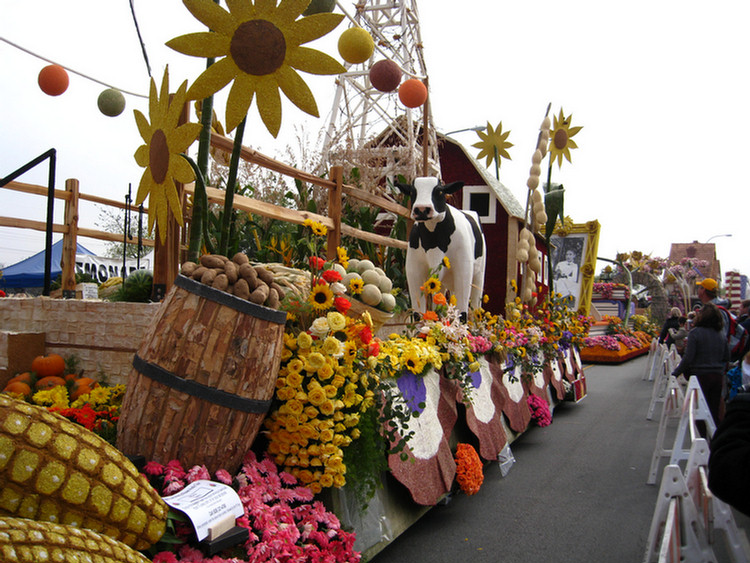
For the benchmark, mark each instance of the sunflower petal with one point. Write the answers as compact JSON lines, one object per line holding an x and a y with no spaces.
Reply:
{"x":163,"y":102}
{"x":144,"y":128}
{"x":296,"y":90}
{"x":144,"y":187}
{"x":211,"y":14}
{"x":176,"y":106}
{"x":241,"y":10}
{"x":142,"y":156}
{"x":182,"y":171}
{"x":312,"y":61}
{"x":201,"y":44}
{"x":184,"y":136}
{"x":213,"y":79}
{"x":239,"y":100}
{"x":290,"y":10}
{"x":269,"y":104}
{"x":173,"y":199}
{"x":312,"y":27}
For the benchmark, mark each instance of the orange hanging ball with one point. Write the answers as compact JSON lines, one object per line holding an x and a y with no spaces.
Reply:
{"x":53,"y":80}
{"x":412,"y":93}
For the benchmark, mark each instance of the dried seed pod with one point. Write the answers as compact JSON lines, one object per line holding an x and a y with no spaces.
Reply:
{"x":522,"y":255}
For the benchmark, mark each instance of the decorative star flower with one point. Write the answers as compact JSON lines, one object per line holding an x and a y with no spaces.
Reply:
{"x":261,"y":45}
{"x":493,"y":144}
{"x":165,"y":140}
{"x":561,"y":139}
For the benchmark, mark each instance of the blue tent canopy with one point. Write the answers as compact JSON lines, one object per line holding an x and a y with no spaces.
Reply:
{"x":29,"y":273}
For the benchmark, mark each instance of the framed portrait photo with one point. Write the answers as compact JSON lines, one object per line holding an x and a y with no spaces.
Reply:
{"x":573,"y":249}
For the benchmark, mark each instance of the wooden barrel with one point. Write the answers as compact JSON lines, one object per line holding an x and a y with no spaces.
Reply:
{"x":203,"y":379}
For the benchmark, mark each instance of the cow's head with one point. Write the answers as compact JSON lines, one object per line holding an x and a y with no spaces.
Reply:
{"x":427,"y":197}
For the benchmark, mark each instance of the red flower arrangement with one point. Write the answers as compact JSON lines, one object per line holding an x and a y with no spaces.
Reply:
{"x":539,"y":408}
{"x":468,"y":469}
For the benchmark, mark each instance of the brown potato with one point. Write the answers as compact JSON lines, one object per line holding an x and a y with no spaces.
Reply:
{"x":213,"y":261}
{"x":273,"y":299}
{"x":221,"y":282}
{"x":240,"y":259}
{"x":198,"y":272}
{"x":209,"y":276}
{"x":241,"y":289}
{"x":188,"y":268}
{"x":265,"y":275}
{"x":231,"y":270}
{"x":259,"y":294}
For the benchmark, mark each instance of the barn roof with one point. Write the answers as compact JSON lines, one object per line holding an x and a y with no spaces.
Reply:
{"x":506,"y":198}
{"x":699,"y":251}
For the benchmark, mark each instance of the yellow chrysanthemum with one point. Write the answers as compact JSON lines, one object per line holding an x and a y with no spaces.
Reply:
{"x":160,"y":156}
{"x":343,"y":256}
{"x":321,"y":297}
{"x":314,"y":362}
{"x":336,"y":321}
{"x":561,"y":141}
{"x":493,"y":144}
{"x":304,"y":340}
{"x":261,"y":45}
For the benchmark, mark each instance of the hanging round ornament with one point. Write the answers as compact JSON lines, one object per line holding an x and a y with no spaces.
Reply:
{"x":53,"y":80}
{"x":111,"y":102}
{"x":356,"y":45}
{"x":385,"y":75}
{"x":319,"y":7}
{"x":412,"y":93}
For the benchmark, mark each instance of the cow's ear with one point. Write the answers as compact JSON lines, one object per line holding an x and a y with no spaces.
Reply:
{"x":407,"y":189}
{"x":452,"y":187}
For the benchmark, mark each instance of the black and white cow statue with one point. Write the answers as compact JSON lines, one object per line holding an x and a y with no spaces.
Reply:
{"x":441,"y":230}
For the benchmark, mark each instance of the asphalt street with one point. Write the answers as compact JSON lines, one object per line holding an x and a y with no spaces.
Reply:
{"x":577,"y":491}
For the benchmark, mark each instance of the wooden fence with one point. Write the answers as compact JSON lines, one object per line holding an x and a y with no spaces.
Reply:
{"x":167,"y":257}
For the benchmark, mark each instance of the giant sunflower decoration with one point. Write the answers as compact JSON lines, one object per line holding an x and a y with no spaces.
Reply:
{"x":561,"y":139}
{"x":493,"y":144}
{"x":165,"y":140}
{"x":261,"y":46}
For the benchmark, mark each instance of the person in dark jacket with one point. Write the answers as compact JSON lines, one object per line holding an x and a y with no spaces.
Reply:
{"x":728,"y":462}
{"x":671,"y":323}
{"x":706,"y":356}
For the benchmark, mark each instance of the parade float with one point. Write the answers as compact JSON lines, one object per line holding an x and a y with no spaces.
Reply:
{"x":319,"y":416}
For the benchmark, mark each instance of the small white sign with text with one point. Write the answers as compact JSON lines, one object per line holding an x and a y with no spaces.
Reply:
{"x":208,"y":504}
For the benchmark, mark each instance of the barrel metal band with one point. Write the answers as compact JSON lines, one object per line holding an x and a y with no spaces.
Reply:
{"x":211,"y":394}
{"x":229,"y":300}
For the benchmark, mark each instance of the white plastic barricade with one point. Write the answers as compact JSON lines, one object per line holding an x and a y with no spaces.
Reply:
{"x":651,"y":358}
{"x":661,"y":377}
{"x":694,"y":409}
{"x":674,"y":399}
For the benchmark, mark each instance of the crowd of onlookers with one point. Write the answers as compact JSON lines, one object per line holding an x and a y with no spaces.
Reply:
{"x":714,"y":346}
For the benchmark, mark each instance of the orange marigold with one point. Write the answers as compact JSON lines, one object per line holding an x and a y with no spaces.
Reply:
{"x":439,"y":299}
{"x":430,"y":316}
{"x":468,"y":469}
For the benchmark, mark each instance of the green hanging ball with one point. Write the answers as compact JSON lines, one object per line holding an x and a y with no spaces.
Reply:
{"x":319,"y":7}
{"x":111,"y":102}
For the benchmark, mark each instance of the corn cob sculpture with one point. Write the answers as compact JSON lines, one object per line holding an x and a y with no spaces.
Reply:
{"x":56,"y":471}
{"x":29,"y":541}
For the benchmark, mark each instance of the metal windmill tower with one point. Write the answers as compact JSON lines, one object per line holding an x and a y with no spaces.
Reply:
{"x":372,"y":129}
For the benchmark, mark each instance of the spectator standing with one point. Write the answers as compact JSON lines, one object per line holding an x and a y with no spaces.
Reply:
{"x":672,"y":322}
{"x":679,"y":335}
{"x":706,"y":356}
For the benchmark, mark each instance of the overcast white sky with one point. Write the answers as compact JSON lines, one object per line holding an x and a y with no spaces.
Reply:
{"x":659,"y":87}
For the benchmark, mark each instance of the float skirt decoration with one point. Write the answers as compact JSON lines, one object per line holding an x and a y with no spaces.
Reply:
{"x":203,"y":379}
{"x":600,"y":355}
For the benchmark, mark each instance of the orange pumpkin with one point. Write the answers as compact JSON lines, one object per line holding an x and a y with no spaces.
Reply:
{"x":52,"y":364}
{"x":24,"y":377}
{"x":18,"y":387}
{"x":82,"y":386}
{"x":49,"y":382}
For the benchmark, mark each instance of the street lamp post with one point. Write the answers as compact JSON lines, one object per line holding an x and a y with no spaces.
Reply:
{"x":475,"y":128}
{"x":717,"y":236}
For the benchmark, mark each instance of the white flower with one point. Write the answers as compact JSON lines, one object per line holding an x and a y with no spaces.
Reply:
{"x":338,"y":288}
{"x":320,"y":327}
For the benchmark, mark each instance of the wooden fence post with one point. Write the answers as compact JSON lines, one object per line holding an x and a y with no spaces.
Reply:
{"x":334,"y":211}
{"x":70,"y":240}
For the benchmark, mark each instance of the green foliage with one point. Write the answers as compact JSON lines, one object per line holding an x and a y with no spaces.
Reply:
{"x":365,"y":459}
{"x":136,"y":288}
{"x":80,"y":278}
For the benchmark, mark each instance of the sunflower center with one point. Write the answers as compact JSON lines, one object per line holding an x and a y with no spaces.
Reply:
{"x":158,"y":156}
{"x":561,"y":139}
{"x":258,"y":47}
{"x":321,"y":298}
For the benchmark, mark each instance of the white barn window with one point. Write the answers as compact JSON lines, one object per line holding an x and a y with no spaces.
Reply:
{"x":482,"y":200}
